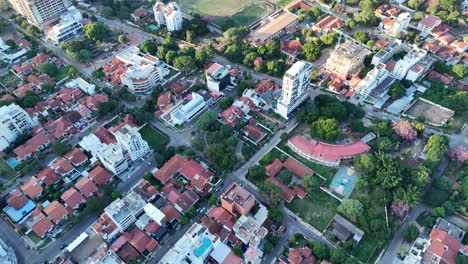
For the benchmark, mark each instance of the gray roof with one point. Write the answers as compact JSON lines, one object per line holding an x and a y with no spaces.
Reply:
{"x":342,"y":224}
{"x":453,"y":230}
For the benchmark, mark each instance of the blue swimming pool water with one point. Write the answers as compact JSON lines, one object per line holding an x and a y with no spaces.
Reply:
{"x":13,"y":163}
{"x":17,"y":215}
{"x":206,"y":243}
{"x":152,"y":27}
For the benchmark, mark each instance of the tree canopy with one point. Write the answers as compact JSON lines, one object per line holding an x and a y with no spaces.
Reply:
{"x":96,"y":31}
{"x":325,"y":129}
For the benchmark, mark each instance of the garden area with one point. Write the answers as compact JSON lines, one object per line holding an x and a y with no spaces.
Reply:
{"x":9,"y":80}
{"x":6,"y":171}
{"x":156,"y":139}
{"x":317,"y":209}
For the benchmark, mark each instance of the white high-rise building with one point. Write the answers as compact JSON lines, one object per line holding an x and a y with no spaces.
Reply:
{"x":38,"y":12}
{"x":169,"y":15}
{"x":411,"y":58}
{"x":14,"y":122}
{"x":296,"y":83}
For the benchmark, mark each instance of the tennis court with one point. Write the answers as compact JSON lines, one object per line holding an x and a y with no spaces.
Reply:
{"x":344,"y":181}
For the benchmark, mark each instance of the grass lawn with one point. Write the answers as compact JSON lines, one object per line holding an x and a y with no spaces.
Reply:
{"x":6,"y":171}
{"x":214,"y":8}
{"x":282,"y":3}
{"x":250,"y":14}
{"x":34,"y":238}
{"x":156,"y":139}
{"x":317,"y":208}
{"x":62,"y":72}
{"x":9,"y":80}
{"x":364,"y":250}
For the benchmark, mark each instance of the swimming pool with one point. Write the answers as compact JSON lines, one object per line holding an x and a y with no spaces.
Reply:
{"x":12,"y":162}
{"x":206,"y":243}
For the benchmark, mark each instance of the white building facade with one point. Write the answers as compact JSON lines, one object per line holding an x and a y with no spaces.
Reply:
{"x":14,"y":122}
{"x":143,"y":72}
{"x":169,"y":15}
{"x":69,"y":25}
{"x":411,"y":58}
{"x":188,"y":111}
{"x":296,"y":83}
{"x":132,"y":142}
{"x":38,"y":12}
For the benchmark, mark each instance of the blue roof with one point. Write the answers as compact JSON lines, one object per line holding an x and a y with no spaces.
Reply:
{"x":17,"y":215}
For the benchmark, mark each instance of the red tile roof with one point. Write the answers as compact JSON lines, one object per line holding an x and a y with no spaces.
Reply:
{"x":301,"y":256}
{"x":292,"y":47}
{"x":170,"y":168}
{"x":171,"y":213}
{"x":40,"y":58}
{"x":164,"y":99}
{"x":32,"y":188}
{"x":32,"y":145}
{"x":104,"y":225}
{"x":444,"y":246}
{"x":62,"y":166}
{"x":76,"y":156}
{"x":146,"y":189}
{"x":223,"y":216}
{"x":327,"y":152}
{"x":139,"y":12}
{"x":141,"y":242}
{"x":328,"y":23}
{"x":16,"y":199}
{"x":59,"y":128}
{"x":72,"y":198}
{"x":128,"y":120}
{"x":178,"y":88}
{"x":264,"y":86}
{"x":274,"y":167}
{"x":42,"y":225}
{"x":100,"y":175}
{"x":127,"y":252}
{"x":254,"y":132}
{"x":295,"y":167}
{"x":446,"y":79}
{"x":47,"y":176}
{"x":23,"y":90}
{"x":104,"y":135}
{"x":56,"y":211}
{"x":152,"y":227}
{"x":86,"y":187}
{"x":196,"y":173}
{"x":232,"y":115}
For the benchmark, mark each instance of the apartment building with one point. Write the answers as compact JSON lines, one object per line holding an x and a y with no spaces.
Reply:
{"x":393,"y":26}
{"x":169,"y":15}
{"x":68,"y":26}
{"x":347,"y":59}
{"x":296,"y":83}
{"x":217,"y":77}
{"x":406,"y":63}
{"x":14,"y":122}
{"x":236,"y":199}
{"x":124,"y":212}
{"x":38,"y":12}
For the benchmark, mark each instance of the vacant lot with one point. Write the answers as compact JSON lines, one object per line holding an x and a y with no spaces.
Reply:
{"x":156,"y":139}
{"x":317,"y":209}
{"x":242,"y":12}
{"x":6,"y":171}
{"x":9,"y":80}
{"x":433,"y":113}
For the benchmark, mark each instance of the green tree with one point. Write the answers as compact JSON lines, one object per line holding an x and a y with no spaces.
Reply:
{"x":47,"y":68}
{"x":329,"y":39}
{"x":257,"y":173}
{"x":238,"y":251}
{"x":213,"y":199}
{"x":311,"y":51}
{"x":276,"y":214}
{"x":311,"y":183}
{"x":201,"y":57}
{"x":205,"y":120}
{"x":184,"y":63}
{"x":234,"y":35}
{"x":48,"y":87}
{"x":234,"y":53}
{"x":116,"y":195}
{"x":397,"y":90}
{"x":122,"y":39}
{"x":226,"y":103}
{"x":242,"y":86}
{"x":337,"y":256}
{"x":410,"y":195}
{"x":4,"y":6}
{"x":411,"y":233}
{"x":150,"y":46}
{"x":422,"y":176}
{"x":325,"y":129}
{"x":250,"y":58}
{"x":350,"y":23}
{"x":170,"y":43}
{"x":60,"y":148}
{"x":436,"y":148}
{"x":273,"y":194}
{"x":415,"y":4}
{"x":361,"y":36}
{"x":351,"y":209}
{"x":365,"y":163}
{"x":170,"y":57}
{"x":385,"y":144}
{"x":460,"y":71}
{"x":388,"y":171}
{"x":320,"y":249}
{"x":96,"y":31}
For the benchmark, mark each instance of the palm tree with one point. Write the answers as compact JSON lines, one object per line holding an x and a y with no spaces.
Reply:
{"x":411,"y":195}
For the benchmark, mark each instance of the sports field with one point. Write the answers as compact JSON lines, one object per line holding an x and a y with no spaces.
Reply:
{"x":243,"y":12}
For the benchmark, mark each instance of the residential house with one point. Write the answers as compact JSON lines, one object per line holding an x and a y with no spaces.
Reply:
{"x":427,"y":24}
{"x":86,"y":187}
{"x":72,"y":198}
{"x":236,"y":199}
{"x":100,"y":175}
{"x":56,"y":212}
{"x":32,"y":188}
{"x":39,"y":223}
